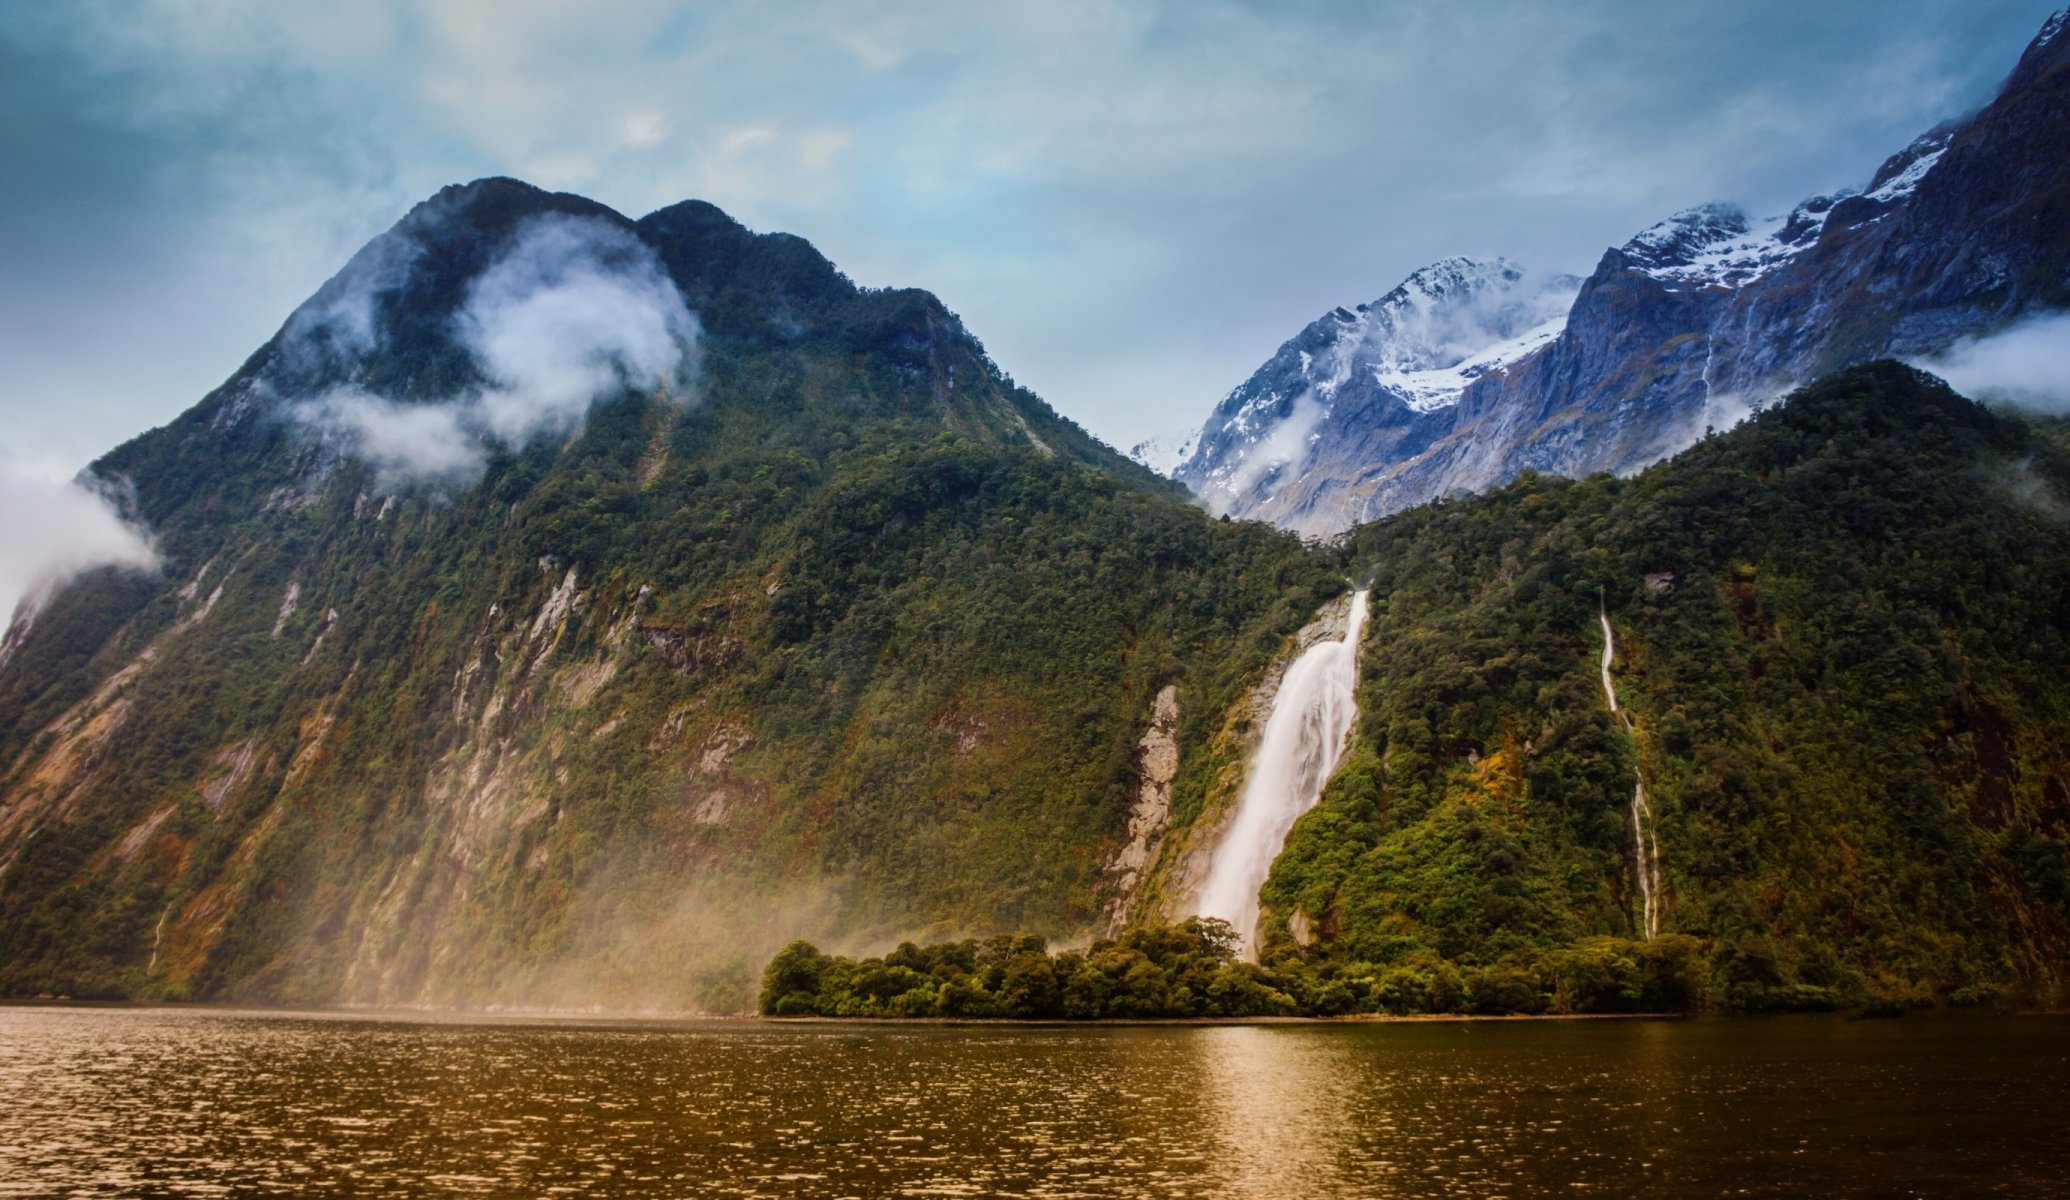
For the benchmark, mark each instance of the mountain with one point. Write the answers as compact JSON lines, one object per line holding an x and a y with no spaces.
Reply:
{"x":563,"y":609}
{"x":566,"y":609}
{"x":1384,"y":367}
{"x":1164,"y":452}
{"x":1686,"y":326}
{"x":1841,"y":640}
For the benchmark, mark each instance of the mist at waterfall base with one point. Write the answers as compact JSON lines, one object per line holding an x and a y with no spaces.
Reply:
{"x":1303,"y":740}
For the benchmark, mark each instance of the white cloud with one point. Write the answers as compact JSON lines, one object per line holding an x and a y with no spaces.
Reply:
{"x":1131,"y":203}
{"x":402,"y":441}
{"x":574,"y":310}
{"x":1288,"y":444}
{"x":56,"y":530}
{"x":576,"y":307}
{"x":2026,"y":364}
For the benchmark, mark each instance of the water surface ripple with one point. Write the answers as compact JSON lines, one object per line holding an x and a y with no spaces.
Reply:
{"x":164,"y":1102}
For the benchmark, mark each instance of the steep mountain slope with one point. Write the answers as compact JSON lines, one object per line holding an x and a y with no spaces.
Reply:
{"x":1383,"y":369}
{"x":566,"y":609}
{"x":1842,"y":634}
{"x":1684,"y":327}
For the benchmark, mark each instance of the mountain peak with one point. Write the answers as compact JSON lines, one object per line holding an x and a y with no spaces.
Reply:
{"x":1683,"y":238}
{"x":1457,"y":277}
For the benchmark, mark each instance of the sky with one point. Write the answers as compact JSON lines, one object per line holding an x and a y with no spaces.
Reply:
{"x":1130,"y":204}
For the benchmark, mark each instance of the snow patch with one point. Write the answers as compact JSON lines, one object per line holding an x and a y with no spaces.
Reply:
{"x":1428,"y":391}
{"x":1164,"y":452}
{"x":1715,"y":245}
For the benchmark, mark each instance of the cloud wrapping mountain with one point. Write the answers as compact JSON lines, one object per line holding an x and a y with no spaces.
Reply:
{"x":2026,"y":364}
{"x":62,"y":530}
{"x":573,"y":311}
{"x":1685,"y":327}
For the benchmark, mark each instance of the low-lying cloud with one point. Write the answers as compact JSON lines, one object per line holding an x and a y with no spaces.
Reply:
{"x":1288,"y":443}
{"x":575,"y":310}
{"x":61,"y":529}
{"x":2026,"y":364}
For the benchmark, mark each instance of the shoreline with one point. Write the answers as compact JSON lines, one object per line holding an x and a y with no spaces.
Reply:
{"x":599,"y":1015}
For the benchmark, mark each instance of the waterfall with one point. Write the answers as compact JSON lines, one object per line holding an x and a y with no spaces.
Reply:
{"x":1304,"y":737}
{"x":1645,"y":844}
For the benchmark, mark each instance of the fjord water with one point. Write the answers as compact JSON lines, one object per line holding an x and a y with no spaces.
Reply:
{"x":168,"y":1102}
{"x":1304,"y":736}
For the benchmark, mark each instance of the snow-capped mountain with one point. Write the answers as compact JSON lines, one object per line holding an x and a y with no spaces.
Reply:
{"x":1471,"y":371}
{"x":1164,"y":452}
{"x":1410,"y":353}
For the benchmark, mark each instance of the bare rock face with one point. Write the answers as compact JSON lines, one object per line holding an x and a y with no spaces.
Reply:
{"x":1180,"y":865}
{"x":1684,"y":328}
{"x":1157,"y":764}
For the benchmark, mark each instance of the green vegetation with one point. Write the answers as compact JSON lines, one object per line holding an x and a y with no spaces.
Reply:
{"x":861,"y":639}
{"x":1842,"y":633}
{"x":839,"y":649}
{"x":1191,"y":970}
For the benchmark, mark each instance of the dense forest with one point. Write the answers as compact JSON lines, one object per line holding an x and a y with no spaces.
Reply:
{"x":854,"y":637}
{"x":1841,"y":635}
{"x":846,"y":637}
{"x":1191,"y":969}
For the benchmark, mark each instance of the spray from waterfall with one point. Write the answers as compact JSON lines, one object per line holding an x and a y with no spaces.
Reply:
{"x":1646,"y":845}
{"x":1303,"y":740}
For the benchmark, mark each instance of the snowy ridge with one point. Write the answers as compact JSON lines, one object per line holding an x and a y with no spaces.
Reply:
{"x":1417,"y":347}
{"x":1440,"y":387}
{"x":1714,"y":245}
{"x":1900,"y":174}
{"x":1164,"y":452}
{"x":1468,"y":372}
{"x":2049,"y":30}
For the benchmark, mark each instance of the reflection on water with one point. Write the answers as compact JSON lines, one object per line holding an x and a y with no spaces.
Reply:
{"x":200,"y":1103}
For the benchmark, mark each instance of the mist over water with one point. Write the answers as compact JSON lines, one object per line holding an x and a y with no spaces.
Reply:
{"x":1304,"y":737}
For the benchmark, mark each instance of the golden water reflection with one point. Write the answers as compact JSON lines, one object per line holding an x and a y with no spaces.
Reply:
{"x":195,"y":1103}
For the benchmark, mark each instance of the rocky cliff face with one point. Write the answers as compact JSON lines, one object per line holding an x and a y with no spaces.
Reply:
{"x":568,"y":609}
{"x":1377,"y":374}
{"x":1683,"y":328}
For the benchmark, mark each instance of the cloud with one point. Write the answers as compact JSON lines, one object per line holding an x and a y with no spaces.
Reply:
{"x":403,"y":442}
{"x":2021,"y":484}
{"x":1286,"y":444}
{"x":1132,"y":204}
{"x":60,"y":530}
{"x":337,"y":325}
{"x":573,"y":311}
{"x":2026,"y":364}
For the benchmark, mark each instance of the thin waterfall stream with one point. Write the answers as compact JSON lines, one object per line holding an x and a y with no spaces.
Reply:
{"x":1304,"y":738}
{"x":1646,"y":845}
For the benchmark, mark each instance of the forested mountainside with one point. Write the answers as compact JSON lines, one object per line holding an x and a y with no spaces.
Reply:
{"x":565,"y":609}
{"x":1473,"y":371}
{"x":569,"y":610}
{"x":1842,"y":641}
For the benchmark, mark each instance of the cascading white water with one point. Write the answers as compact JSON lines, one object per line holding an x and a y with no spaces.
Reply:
{"x":1304,"y":737}
{"x":1646,"y":846}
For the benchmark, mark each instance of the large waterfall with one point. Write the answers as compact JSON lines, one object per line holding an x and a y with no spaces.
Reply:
{"x":1646,"y":846}
{"x":1304,"y":737}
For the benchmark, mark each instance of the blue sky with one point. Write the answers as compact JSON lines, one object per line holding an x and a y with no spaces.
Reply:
{"x":1132,"y":204}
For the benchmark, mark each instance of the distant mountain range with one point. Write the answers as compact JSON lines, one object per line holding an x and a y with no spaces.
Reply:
{"x":1473,"y":371}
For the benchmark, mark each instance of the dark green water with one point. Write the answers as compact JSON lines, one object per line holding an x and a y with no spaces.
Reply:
{"x":156,"y":1102}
